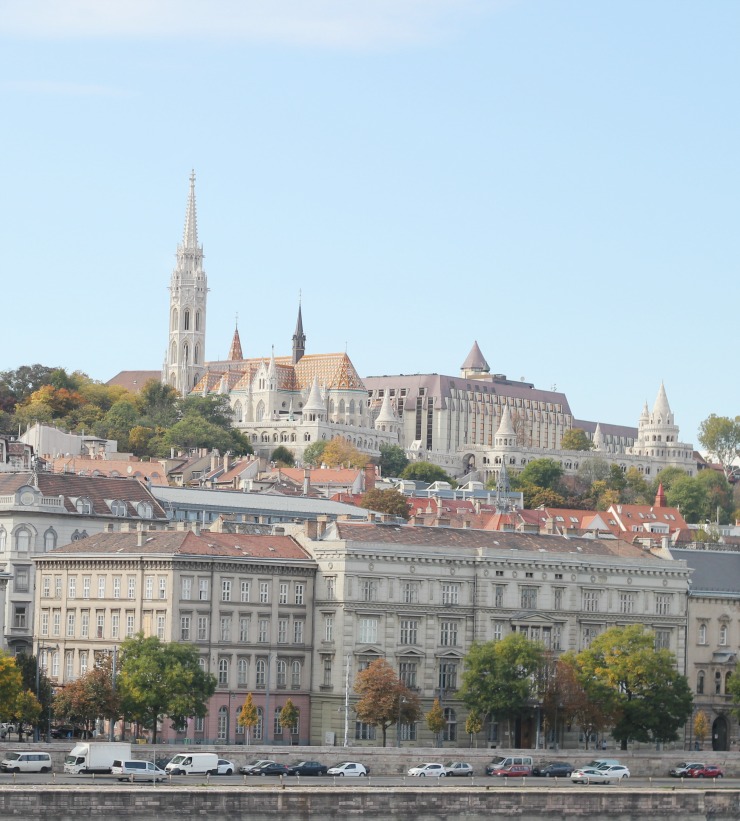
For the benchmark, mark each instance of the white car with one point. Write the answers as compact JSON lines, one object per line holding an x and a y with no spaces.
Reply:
{"x":225,"y":767}
{"x":138,"y":770}
{"x":458,"y":768}
{"x":616,"y":771}
{"x":348,"y":768}
{"x":590,"y":775}
{"x":433,"y":769}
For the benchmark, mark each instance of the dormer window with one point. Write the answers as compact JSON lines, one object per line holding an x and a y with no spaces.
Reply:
{"x":118,"y":507}
{"x":83,"y":505}
{"x":145,"y":510}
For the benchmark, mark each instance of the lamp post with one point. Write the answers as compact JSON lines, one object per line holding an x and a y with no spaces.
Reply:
{"x":401,"y":700}
{"x":37,"y":731}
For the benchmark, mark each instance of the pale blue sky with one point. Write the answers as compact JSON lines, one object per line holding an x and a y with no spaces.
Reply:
{"x":558,"y":180}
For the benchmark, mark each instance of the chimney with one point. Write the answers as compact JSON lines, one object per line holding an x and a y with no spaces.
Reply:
{"x":306,"y":481}
{"x":214,"y":460}
{"x":369,"y":477}
{"x":660,"y":496}
{"x":139,"y":537}
{"x":196,"y":527}
{"x":322,"y":522}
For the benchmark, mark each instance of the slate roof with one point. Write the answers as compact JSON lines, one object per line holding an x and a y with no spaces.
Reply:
{"x":188,"y":543}
{"x":134,"y":381}
{"x":715,"y":571}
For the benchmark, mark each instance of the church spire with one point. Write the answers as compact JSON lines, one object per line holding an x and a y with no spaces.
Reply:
{"x":299,"y":338}
{"x":235,"y":351}
{"x":190,"y":234}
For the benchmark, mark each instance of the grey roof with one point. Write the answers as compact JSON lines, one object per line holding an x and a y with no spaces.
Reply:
{"x":226,"y":501}
{"x":715,"y":571}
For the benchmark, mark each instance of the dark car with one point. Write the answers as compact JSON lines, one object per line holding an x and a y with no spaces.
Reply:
{"x":273,"y":768}
{"x":307,"y":768}
{"x":555,"y":769}
{"x":708,"y":771}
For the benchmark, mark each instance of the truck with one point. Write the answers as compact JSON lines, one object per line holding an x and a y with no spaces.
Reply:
{"x":95,"y":756}
{"x":193,"y":763}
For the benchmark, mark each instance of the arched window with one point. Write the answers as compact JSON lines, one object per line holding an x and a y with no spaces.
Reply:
{"x":260,"y":411}
{"x":202,"y":663}
{"x":282,"y":673}
{"x":352,"y":406}
{"x":702,"y":634}
{"x":23,"y":540}
{"x":238,"y":412}
{"x":277,"y":726}
{"x":55,"y":664}
{"x":723,"y":635}
{"x":196,"y":355}
{"x":186,"y":317}
{"x":341,"y":407}
{"x":145,"y":510}
{"x":450,"y":731}
{"x":241,"y":673}
{"x":174,"y":319}
{"x":197,"y":320}
{"x":118,"y":507}
{"x":50,"y":539}
{"x":83,"y":505}
{"x":260,"y":671}
{"x":3,"y":539}
{"x":295,"y":675}
{"x":83,"y":662}
{"x":223,"y":672}
{"x":258,"y":726}
{"x":223,"y":723}
{"x":186,"y":353}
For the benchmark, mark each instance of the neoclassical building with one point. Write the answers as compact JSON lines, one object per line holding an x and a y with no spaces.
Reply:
{"x":290,"y":400}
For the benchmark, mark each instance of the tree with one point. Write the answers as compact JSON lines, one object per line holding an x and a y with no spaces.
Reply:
{"x":27,"y":665}
{"x":158,"y":679}
{"x":27,"y":710}
{"x":289,"y":716}
{"x":651,"y":699}
{"x":545,"y":473}
{"x":158,"y":404}
{"x":576,"y":439}
{"x":197,"y":432}
{"x":473,"y":725}
{"x":283,"y":457}
{"x":214,"y":408}
{"x":701,"y":727}
{"x":436,"y":720}
{"x":720,"y":437}
{"x":386,"y":501}
{"x":500,"y":676}
{"x":22,"y":382}
{"x":384,"y":697}
{"x":119,"y":420}
{"x":313,"y":454}
{"x":426,"y":472}
{"x":248,"y":716}
{"x":637,"y":488}
{"x":11,"y":684}
{"x":593,"y":469}
{"x":567,"y":700}
{"x":689,"y":496}
{"x":393,"y":460}
{"x":536,"y":496}
{"x":341,"y":452}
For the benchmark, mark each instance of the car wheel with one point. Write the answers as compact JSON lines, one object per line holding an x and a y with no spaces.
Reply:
{"x":15,"y":770}
{"x":362,"y":775}
{"x":700,"y":775}
{"x":46,"y":769}
{"x":229,"y":771}
{"x":442,"y":775}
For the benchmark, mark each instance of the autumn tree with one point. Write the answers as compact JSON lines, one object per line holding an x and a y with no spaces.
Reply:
{"x":473,"y":725}
{"x":289,"y":716}
{"x":501,"y":677}
{"x":393,"y":460}
{"x":11,"y":684}
{"x":575,"y":439}
{"x":340,"y":452}
{"x":158,"y":679}
{"x":386,"y":501}
{"x":248,"y":716}
{"x":384,"y":697}
{"x":436,"y":720}
{"x":26,"y":710}
{"x":720,"y":437}
{"x":651,"y":700}
{"x":426,"y":472}
{"x":701,"y":727}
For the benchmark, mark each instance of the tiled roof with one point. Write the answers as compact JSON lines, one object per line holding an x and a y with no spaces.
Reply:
{"x":446,"y":538}
{"x":134,"y":381}
{"x":110,"y":467}
{"x":98,"y":489}
{"x":187,"y":543}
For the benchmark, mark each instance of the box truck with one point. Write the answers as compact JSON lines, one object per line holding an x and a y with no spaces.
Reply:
{"x":95,"y":756}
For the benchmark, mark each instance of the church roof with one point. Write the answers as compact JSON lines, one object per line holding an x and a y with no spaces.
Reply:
{"x":235,"y":351}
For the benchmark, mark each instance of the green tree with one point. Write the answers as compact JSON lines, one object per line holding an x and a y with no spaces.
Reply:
{"x":383,"y":697}
{"x":248,"y":716}
{"x":22,"y":382}
{"x":197,"y":432}
{"x":473,"y":725}
{"x":689,"y":496}
{"x":313,"y":454}
{"x":117,"y":423}
{"x":289,"y":716}
{"x":576,"y":439}
{"x":283,"y":457}
{"x":667,"y":477}
{"x":501,"y":677}
{"x":26,"y":710}
{"x":637,"y":489}
{"x":386,"y":501}
{"x":393,"y":460}
{"x":545,"y":473}
{"x":717,"y":495}
{"x":158,"y":679}
{"x":11,"y":684}
{"x":214,"y":408}
{"x":426,"y":472}
{"x":158,"y":404}
{"x":27,"y":666}
{"x":436,"y":720}
{"x":536,"y":496}
{"x":651,"y":699}
{"x":720,"y":437}
{"x":593,"y":469}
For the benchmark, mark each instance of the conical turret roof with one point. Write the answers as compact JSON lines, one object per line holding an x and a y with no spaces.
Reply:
{"x":506,"y":428}
{"x":235,"y":351}
{"x":475,"y":360}
{"x":387,"y":414}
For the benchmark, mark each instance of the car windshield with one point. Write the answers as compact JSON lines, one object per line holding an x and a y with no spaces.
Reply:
{"x":12,"y":756}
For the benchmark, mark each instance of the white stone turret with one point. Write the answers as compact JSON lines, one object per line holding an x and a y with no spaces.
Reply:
{"x":506,"y":435}
{"x":387,"y":419}
{"x":184,"y":361}
{"x":315,"y":408}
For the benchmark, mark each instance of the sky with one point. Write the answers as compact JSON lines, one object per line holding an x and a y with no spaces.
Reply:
{"x":557,"y":180}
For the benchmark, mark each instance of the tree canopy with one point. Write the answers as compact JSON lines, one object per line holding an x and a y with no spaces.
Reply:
{"x":720,"y":437}
{"x":426,"y":472}
{"x":341,"y":453}
{"x":386,"y":501}
{"x":384,"y":697}
{"x":283,"y":457}
{"x":11,"y":684}
{"x":576,"y":439}
{"x":393,"y":460}
{"x":159,"y":679}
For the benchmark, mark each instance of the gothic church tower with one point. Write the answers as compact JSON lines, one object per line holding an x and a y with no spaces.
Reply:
{"x":185,"y":357}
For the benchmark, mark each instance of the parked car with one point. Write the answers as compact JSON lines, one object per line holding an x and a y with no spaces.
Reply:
{"x":252,"y":766}
{"x":707,"y":771}
{"x":516,"y":770}
{"x":504,"y":761}
{"x":137,"y":771}
{"x":616,"y":771}
{"x":225,"y":767}
{"x":23,"y":761}
{"x":6,"y":728}
{"x":681,"y":770}
{"x":458,"y":768}
{"x":348,"y":768}
{"x":555,"y":769}
{"x":432,"y":769}
{"x":307,"y":768}
{"x":272,"y":768}
{"x":590,"y":775}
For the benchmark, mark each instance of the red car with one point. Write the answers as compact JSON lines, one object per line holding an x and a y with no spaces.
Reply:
{"x":708,"y":771}
{"x":519,"y":770}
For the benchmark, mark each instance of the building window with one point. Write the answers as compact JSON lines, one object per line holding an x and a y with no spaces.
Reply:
{"x":409,"y":631}
{"x":244,"y":629}
{"x":281,"y":673}
{"x":184,"y":628}
{"x":299,"y":593}
{"x":364,"y":732}
{"x":591,"y":599}
{"x":282,"y":631}
{"x":161,"y":625}
{"x":298,"y":632}
{"x":368,"y":590}
{"x":717,"y":683}
{"x":56,"y":623}
{"x":69,"y":662}
{"x":590,"y":632}
{"x":242,"y":670}
{"x":407,"y":673}
{"x":328,"y":628}
{"x":723,"y":635}
{"x":663,"y":604}
{"x":116,"y":587}
{"x":283,"y":595}
{"x":448,"y":675}
{"x":700,"y":683}
{"x":225,"y":628}
{"x":72,"y":587}
{"x":149,"y":588}
{"x":529,"y":598}
{"x":410,"y":592}
{"x":118,"y":507}
{"x":129,"y":625}
{"x":101,"y":587}
{"x":331,"y":587}
{"x":662,"y":639}
{"x":162,"y":588}
{"x":46,"y":587}
{"x":450,"y":593}
{"x":20,"y":582}
{"x":498,"y":630}
{"x":222,"y":727}
{"x":264,"y":630}
{"x":450,"y":731}
{"x":132,"y":587}
{"x":327,"y":671}
{"x":448,"y":633}
{"x":368,"y":631}
{"x":83,"y":506}
{"x":115,"y":625}
{"x":186,"y":588}
{"x":20,"y":616}
{"x":261,"y":674}
{"x":223,"y":672}
{"x":557,"y":598}
{"x":244,"y":591}
{"x":498,"y":595}
{"x":45,"y":623}
{"x":83,"y":662}
{"x":264,"y":592}
{"x":626,"y":602}
{"x":99,"y":625}
{"x":295,"y":675}
{"x":70,"y":625}
{"x":203,"y":589}
{"x":202,"y":628}
{"x":55,"y":664}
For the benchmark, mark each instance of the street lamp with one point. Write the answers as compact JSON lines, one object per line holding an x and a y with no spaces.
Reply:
{"x":401,"y":701}
{"x":39,"y":648}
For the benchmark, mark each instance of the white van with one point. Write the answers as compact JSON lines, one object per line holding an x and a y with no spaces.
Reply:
{"x":193,"y":763}
{"x":137,"y":771}
{"x":23,"y":762}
